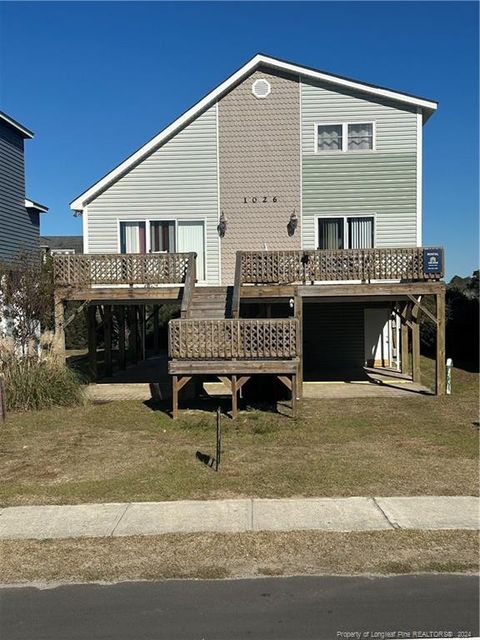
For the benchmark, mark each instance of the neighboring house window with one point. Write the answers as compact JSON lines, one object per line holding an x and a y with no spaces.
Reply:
{"x":346,"y":136}
{"x":346,"y":232}
{"x":62,"y":252}
{"x":132,"y":237}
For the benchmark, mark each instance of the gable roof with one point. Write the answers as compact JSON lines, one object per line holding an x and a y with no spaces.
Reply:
{"x":36,"y":206}
{"x":426,"y":106}
{"x":26,"y":133}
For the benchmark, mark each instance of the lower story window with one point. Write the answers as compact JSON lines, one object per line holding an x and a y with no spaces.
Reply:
{"x":346,"y":232}
{"x":159,"y":236}
{"x":132,"y":237}
{"x":162,"y":236}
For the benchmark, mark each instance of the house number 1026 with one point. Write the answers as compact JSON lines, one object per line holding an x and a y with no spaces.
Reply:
{"x":261,"y":199}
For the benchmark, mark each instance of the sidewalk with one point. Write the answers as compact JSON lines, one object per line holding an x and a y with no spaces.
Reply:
{"x":189,"y":516}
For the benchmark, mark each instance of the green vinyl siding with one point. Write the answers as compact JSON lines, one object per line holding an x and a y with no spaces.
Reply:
{"x":396,"y":123}
{"x":382,"y":182}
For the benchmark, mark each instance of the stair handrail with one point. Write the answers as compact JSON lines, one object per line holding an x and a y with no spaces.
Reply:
{"x":189,"y":286}
{"x":237,"y":285}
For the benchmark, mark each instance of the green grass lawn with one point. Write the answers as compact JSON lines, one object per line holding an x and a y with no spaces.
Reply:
{"x":126,"y":451}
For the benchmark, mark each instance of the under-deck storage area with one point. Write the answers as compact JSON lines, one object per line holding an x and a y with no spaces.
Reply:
{"x":333,"y":340}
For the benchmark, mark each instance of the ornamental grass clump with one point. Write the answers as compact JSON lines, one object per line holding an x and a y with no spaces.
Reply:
{"x":37,"y":381}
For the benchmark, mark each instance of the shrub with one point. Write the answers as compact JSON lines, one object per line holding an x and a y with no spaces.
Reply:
{"x":26,"y":299}
{"x":32,"y":382}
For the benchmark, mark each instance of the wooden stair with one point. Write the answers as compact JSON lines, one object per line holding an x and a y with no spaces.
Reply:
{"x":210,"y":303}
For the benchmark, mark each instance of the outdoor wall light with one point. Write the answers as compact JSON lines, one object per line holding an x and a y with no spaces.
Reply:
{"x":222,"y":225}
{"x":292,"y":224}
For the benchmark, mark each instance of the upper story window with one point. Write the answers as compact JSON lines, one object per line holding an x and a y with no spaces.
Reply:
{"x":345,"y":136}
{"x":360,"y":136}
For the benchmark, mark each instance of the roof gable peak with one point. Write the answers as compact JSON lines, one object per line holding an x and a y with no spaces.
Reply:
{"x":427,"y":107}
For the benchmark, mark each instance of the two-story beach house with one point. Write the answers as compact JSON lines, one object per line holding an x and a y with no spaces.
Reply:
{"x":283,"y":211}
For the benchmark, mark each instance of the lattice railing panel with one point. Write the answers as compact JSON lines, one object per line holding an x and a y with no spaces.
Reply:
{"x":271,"y":267}
{"x":290,"y":267}
{"x":117,"y":268}
{"x":226,"y":339}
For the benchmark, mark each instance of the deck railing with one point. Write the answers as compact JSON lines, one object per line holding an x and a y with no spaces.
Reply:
{"x":226,"y":339}
{"x":289,"y":267}
{"x":190,"y":280}
{"x":120,"y":269}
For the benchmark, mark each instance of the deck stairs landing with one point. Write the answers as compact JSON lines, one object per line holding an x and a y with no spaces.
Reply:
{"x":210,"y":303}
{"x":210,"y":340}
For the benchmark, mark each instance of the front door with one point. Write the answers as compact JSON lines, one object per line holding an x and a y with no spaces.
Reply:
{"x":377,"y":338}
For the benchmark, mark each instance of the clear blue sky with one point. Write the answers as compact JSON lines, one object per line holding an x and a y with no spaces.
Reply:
{"x":97,"y":80}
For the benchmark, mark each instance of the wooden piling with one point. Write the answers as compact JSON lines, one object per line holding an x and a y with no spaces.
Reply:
{"x":92,"y":341}
{"x":107,"y":340}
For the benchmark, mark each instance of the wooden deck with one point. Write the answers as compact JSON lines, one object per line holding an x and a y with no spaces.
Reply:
{"x":233,"y":350}
{"x":363,"y":265}
{"x":211,"y":338}
{"x":117,"y":276}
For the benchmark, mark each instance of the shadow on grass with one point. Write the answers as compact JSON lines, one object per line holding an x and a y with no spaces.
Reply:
{"x":400,"y":387}
{"x":209,"y":404}
{"x":207,"y":460}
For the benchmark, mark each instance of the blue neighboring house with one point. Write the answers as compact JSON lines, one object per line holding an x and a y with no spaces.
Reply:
{"x":19,"y":215}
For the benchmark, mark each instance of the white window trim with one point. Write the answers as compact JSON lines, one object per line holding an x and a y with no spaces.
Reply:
{"x":344,"y":126}
{"x":345,"y":217}
{"x":175,"y":220}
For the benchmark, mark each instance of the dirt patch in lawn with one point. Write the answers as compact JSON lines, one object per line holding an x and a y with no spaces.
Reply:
{"x":128,"y":451}
{"x":238,"y":555}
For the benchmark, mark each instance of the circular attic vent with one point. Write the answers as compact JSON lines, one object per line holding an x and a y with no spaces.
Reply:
{"x":261,"y":88}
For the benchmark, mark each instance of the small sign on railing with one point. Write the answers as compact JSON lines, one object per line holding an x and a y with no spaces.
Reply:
{"x":432,"y":261}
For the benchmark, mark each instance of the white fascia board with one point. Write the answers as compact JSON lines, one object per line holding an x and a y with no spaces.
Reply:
{"x":351,"y":84}
{"x":16,"y":125}
{"x":30,"y":204}
{"x":79,"y":203}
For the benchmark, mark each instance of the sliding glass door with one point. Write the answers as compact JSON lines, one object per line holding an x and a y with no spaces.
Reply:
{"x":159,"y":236}
{"x":132,"y":237}
{"x":190,"y":237}
{"x":162,"y":236}
{"x":331,"y":233}
{"x":346,"y":232}
{"x":360,"y":233}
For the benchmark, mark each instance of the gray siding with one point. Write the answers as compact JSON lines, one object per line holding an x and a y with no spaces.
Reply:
{"x":259,"y":146}
{"x":19,"y":231}
{"x":177,"y":181}
{"x":383,"y":182}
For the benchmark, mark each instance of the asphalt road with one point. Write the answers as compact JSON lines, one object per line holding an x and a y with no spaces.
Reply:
{"x":298,"y":608}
